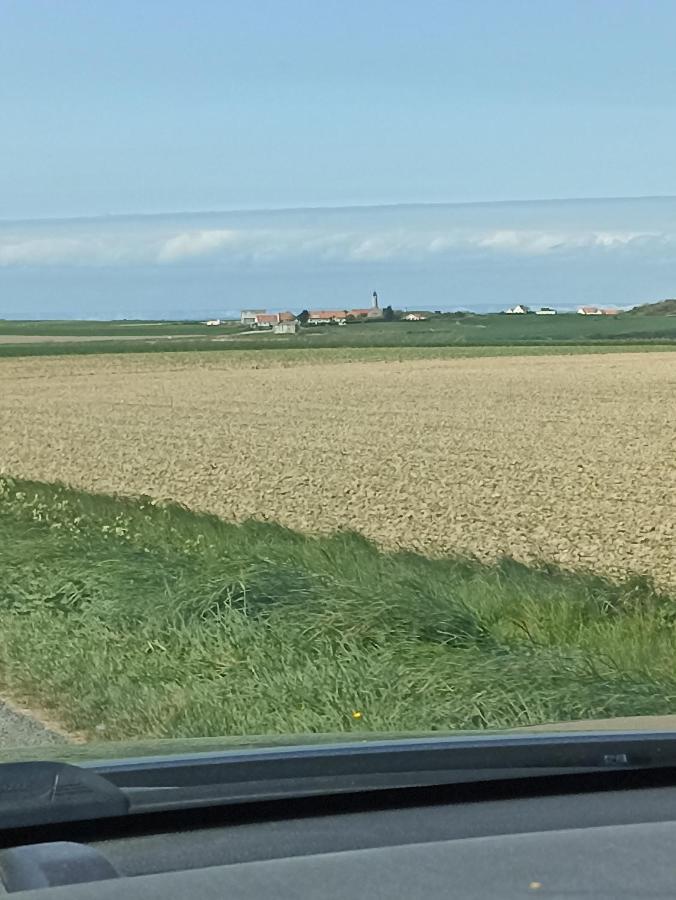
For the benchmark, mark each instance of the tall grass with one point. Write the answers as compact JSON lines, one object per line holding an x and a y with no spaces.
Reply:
{"x":130,"y":619}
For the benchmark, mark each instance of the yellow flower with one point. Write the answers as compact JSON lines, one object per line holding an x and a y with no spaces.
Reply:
{"x":356,"y":714}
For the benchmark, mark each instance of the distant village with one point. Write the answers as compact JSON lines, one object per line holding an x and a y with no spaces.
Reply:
{"x":520,"y":310}
{"x":289,"y":323}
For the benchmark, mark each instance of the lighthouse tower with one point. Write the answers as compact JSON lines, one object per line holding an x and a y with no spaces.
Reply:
{"x":374,"y":302}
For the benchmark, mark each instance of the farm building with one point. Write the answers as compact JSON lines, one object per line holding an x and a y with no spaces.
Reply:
{"x":270,"y":320}
{"x":520,"y":309}
{"x":340,"y":316}
{"x":371,"y":313}
{"x":248,"y":316}
{"x":266,"y":320}
{"x":327,"y":316}
{"x":590,"y":311}
{"x":213,"y":322}
{"x":286,"y":327}
{"x":545,"y":311}
{"x":610,"y":312}
{"x":414,"y":317}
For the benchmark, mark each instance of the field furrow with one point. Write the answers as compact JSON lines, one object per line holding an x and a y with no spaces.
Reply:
{"x":570,"y":459}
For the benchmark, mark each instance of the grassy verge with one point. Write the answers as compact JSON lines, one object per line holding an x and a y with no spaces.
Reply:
{"x":128,"y":619}
{"x":290,"y":350}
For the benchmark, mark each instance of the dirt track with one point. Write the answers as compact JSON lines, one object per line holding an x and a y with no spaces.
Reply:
{"x":18,"y":729}
{"x":570,"y":458}
{"x":86,"y":338}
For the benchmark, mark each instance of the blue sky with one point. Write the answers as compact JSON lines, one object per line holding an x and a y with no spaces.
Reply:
{"x":166,"y":107}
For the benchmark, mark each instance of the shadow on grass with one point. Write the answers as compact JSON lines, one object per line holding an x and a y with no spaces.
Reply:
{"x":141,"y":619}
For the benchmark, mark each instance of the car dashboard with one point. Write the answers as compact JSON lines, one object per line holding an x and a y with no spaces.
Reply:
{"x":575,"y":836}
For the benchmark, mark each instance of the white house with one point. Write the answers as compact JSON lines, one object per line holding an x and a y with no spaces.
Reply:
{"x":213,"y":322}
{"x":414,"y":317}
{"x":520,"y":309}
{"x":545,"y":311}
{"x":249,"y":316}
{"x":590,"y":311}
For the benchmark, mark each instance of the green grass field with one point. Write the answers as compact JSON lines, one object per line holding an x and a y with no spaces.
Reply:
{"x":126,"y":619}
{"x":482,"y":330}
{"x":120,"y":328}
{"x":446,"y":331}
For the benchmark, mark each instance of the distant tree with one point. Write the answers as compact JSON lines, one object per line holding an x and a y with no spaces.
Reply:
{"x":388,"y":314}
{"x":303,"y":317}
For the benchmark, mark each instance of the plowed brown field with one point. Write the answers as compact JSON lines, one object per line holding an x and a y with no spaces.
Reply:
{"x":570,"y":459}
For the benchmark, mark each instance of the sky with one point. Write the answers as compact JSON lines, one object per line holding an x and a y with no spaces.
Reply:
{"x":130,"y":132}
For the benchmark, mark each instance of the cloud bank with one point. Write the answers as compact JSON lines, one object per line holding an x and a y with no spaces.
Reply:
{"x":228,"y":245}
{"x":352,"y":237}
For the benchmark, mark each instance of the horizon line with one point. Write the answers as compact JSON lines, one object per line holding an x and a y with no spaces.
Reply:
{"x":88,"y":217}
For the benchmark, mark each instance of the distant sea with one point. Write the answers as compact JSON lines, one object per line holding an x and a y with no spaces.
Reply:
{"x":481,"y":257}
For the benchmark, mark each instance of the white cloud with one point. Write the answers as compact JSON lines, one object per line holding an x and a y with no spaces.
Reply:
{"x":535,"y":243}
{"x":43,"y":251}
{"x":173,"y":242}
{"x":58,"y":250}
{"x":192,"y":244}
{"x":399,"y":245}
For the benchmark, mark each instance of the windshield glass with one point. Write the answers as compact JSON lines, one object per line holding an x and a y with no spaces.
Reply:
{"x":319,"y":417}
